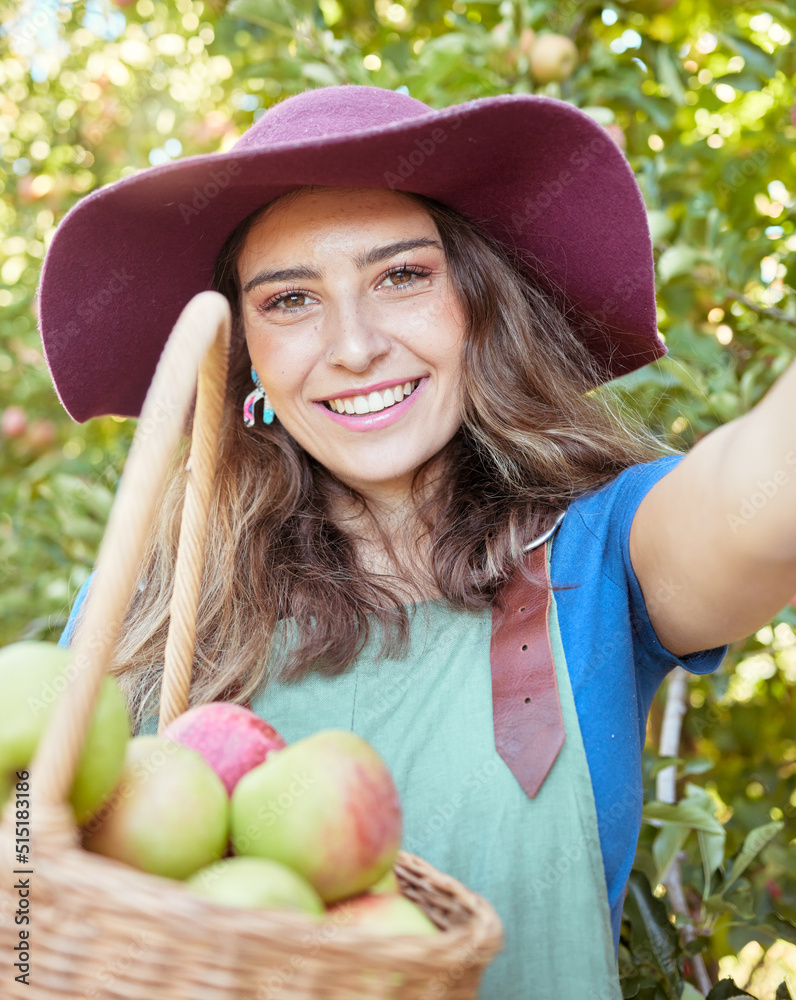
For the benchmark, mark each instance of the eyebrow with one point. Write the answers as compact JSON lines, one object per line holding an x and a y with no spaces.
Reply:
{"x":375,"y":255}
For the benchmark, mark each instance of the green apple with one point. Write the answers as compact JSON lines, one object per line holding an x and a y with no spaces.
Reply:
{"x":387,"y":883}
{"x":386,"y":914}
{"x":32,"y":676}
{"x":325,"y":806}
{"x":552,"y":58}
{"x":256,"y":883}
{"x":169,"y":814}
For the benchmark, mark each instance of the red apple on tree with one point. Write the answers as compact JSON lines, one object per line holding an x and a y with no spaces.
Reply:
{"x":231,"y":738}
{"x":325,"y":806}
{"x":14,"y":422}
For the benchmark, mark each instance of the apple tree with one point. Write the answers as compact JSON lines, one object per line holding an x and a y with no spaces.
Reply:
{"x":699,"y":95}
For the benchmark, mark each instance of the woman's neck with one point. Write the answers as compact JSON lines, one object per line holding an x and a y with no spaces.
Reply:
{"x":391,"y":541}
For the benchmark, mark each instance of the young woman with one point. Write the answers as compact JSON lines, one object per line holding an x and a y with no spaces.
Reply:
{"x":415,"y":448}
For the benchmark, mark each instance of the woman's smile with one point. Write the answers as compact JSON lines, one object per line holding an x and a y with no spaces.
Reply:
{"x":361,"y":361}
{"x":371,"y":410}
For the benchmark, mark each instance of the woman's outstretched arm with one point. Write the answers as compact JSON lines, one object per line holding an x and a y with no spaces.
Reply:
{"x":714,"y":542}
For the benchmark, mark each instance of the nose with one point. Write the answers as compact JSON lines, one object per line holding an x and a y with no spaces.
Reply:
{"x":354,"y":339}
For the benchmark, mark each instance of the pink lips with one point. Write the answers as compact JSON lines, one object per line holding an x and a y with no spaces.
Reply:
{"x":374,"y":421}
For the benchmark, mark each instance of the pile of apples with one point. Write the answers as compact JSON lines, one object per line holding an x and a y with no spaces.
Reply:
{"x":221,"y":802}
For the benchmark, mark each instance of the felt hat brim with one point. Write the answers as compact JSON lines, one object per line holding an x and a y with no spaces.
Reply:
{"x":535,"y":172}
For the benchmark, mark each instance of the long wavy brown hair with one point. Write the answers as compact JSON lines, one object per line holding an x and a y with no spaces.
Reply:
{"x":536,"y":433}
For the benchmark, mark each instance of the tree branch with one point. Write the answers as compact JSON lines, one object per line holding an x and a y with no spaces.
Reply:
{"x":666,"y":791}
{"x":769,"y":311}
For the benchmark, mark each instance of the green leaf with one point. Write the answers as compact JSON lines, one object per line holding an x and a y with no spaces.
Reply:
{"x":711,"y":850}
{"x":662,"y":763}
{"x":754,"y":843}
{"x":321,"y":74}
{"x":698,"y":765}
{"x":691,"y":993}
{"x":277,"y":15}
{"x":676,"y":261}
{"x":755,"y":58}
{"x":669,"y":75}
{"x":727,"y":990}
{"x":688,"y":813}
{"x":667,"y":846}
{"x":651,"y":932}
{"x":740,"y":81}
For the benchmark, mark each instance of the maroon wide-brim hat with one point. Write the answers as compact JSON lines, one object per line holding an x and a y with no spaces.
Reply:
{"x":535,"y":172}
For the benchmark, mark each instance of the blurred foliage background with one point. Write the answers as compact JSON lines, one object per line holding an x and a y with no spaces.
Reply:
{"x":699,"y":96}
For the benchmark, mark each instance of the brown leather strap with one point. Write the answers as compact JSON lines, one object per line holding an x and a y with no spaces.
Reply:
{"x":529,"y":728}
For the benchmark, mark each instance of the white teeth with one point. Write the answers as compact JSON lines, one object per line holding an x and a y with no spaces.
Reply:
{"x":374,"y":401}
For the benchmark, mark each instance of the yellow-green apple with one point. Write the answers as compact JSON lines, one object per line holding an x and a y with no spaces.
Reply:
{"x":325,"y":806}
{"x":526,"y":41}
{"x":386,"y":913}
{"x":387,"y":883}
{"x":552,"y":58}
{"x":169,"y":814}
{"x":231,"y":738}
{"x":32,"y":676}
{"x":256,"y":883}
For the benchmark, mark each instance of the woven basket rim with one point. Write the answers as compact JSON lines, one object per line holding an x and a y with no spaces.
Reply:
{"x":176,"y":902}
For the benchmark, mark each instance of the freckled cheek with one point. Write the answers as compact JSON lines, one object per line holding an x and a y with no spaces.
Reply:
{"x":284,"y":364}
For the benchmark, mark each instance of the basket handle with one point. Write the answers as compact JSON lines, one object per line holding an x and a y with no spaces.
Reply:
{"x":200,"y":337}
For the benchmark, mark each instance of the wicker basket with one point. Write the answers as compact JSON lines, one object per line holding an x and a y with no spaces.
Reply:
{"x":100,"y":930}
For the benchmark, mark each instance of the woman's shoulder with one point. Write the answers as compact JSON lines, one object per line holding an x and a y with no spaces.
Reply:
{"x":614,"y":504}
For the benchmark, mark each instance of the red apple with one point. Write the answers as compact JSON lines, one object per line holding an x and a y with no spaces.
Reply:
{"x":169,"y":814}
{"x":552,"y":58}
{"x":381,"y":914}
{"x":231,"y":738}
{"x":41,"y":434}
{"x":14,"y":422}
{"x":617,"y":134}
{"x":325,"y":806}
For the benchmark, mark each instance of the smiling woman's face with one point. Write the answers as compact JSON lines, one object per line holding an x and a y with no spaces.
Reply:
{"x":354,"y":328}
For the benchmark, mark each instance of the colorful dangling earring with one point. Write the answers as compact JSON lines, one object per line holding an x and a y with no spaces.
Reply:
{"x":257,"y":394}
